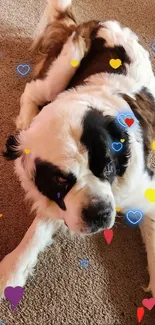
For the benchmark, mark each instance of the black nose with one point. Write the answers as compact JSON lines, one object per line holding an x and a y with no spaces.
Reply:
{"x":97,"y":216}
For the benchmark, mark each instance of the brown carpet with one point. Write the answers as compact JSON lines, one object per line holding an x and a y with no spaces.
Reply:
{"x":108,"y":291}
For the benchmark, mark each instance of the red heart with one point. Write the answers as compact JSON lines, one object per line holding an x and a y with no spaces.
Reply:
{"x":140,"y":314}
{"x":108,"y":235}
{"x":129,"y":121}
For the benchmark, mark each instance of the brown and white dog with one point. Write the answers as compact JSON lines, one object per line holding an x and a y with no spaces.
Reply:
{"x":84,"y":160}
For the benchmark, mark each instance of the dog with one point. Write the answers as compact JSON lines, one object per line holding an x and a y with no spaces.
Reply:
{"x":64,"y":154}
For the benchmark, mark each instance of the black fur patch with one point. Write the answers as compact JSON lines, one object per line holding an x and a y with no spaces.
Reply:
{"x":143,"y":108}
{"x":97,"y":61}
{"x":12,"y":151}
{"x":47,"y":181}
{"x":99,"y":133}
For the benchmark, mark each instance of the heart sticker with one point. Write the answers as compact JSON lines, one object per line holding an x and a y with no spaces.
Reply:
{"x":150,"y":194}
{"x":108,"y":235}
{"x":74,"y":63}
{"x":122,"y":140}
{"x":23,"y":69}
{"x":140,"y":314}
{"x":121,"y":117}
{"x":115,"y":63}
{"x":153,"y":145}
{"x":117,"y":146}
{"x":149,"y":303}
{"x":14,"y":295}
{"x":134,"y":217}
{"x":1,"y":215}
{"x":27,"y":151}
{"x":118,"y":209}
{"x":153,"y":46}
{"x":129,"y":121}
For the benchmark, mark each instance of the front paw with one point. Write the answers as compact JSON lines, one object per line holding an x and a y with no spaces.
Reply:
{"x":10,"y":275}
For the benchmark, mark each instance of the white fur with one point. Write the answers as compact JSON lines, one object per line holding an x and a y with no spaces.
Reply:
{"x":60,"y":121}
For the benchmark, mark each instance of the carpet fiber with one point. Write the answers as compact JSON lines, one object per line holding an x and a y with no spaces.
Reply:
{"x":109,"y":290}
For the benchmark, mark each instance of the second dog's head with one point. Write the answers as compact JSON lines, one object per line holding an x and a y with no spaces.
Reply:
{"x":66,"y":165}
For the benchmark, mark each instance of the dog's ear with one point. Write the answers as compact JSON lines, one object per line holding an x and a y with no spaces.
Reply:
{"x":12,"y":148}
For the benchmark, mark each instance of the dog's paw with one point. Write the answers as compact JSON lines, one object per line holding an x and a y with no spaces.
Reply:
{"x":10,"y":275}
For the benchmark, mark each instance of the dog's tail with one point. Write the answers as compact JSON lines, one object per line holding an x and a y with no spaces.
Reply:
{"x":60,"y":10}
{"x":55,"y":11}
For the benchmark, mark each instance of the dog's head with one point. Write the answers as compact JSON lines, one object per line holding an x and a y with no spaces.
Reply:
{"x":69,"y":166}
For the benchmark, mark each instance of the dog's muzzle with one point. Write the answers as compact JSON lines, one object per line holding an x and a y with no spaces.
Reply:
{"x":97,"y":216}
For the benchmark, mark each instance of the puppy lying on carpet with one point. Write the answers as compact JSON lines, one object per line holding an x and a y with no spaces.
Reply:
{"x":72,"y":169}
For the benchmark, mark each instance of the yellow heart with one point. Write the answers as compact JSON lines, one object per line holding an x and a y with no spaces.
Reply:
{"x":74,"y":63}
{"x":122,"y":140}
{"x":150,"y":194}
{"x":115,"y":64}
{"x":118,"y":209}
{"x":153,"y":145}
{"x":27,"y":151}
{"x":1,"y":215}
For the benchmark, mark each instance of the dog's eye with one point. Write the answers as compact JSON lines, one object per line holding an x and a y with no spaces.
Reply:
{"x":61,"y":180}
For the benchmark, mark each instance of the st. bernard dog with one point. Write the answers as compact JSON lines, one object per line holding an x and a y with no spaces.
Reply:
{"x":77,"y":158}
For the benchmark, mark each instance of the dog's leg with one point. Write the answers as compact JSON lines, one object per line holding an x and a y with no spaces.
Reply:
{"x":60,"y":73}
{"x":16,"y":266}
{"x":148,"y":234}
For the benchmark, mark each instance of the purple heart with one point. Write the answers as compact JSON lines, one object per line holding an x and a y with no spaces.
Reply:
{"x":14,"y":295}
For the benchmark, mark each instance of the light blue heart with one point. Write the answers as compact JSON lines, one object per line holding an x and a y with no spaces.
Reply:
{"x":26,"y":68}
{"x":153,"y":46}
{"x":130,"y":214}
{"x":117,"y":146}
{"x":122,"y":116}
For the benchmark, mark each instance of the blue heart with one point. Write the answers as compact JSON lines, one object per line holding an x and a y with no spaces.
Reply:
{"x":117,"y":146}
{"x":153,"y":46}
{"x":132,"y":215}
{"x":122,"y":116}
{"x":23,"y":69}
{"x":84,"y":263}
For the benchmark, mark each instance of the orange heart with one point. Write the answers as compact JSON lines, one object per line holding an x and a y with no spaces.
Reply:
{"x":118,"y":209}
{"x":1,"y":215}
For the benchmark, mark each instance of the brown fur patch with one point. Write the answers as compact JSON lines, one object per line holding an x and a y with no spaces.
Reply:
{"x":97,"y":61}
{"x":143,"y":108}
{"x":66,"y":16}
{"x":55,"y":36}
{"x":50,"y":45}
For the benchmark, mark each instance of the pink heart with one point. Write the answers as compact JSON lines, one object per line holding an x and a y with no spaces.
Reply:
{"x":148,"y":303}
{"x":108,"y":235}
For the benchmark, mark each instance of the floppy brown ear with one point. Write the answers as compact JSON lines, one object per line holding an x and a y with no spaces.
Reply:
{"x":12,"y":148}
